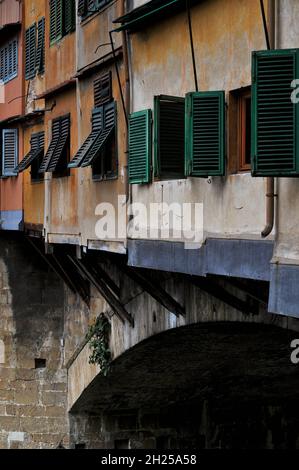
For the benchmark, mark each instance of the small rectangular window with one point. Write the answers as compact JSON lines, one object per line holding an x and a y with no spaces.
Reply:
{"x":88,"y":7}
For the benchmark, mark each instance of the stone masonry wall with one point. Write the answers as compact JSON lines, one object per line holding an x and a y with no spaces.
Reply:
{"x":33,"y":380}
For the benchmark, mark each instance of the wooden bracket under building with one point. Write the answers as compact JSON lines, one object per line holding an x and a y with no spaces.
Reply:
{"x":104,"y":286}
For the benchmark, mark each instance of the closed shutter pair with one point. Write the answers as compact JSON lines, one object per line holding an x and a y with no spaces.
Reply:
{"x":189,"y":137}
{"x":62,"y":18}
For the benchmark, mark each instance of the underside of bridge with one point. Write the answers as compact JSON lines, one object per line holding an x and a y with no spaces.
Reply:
{"x":208,"y":385}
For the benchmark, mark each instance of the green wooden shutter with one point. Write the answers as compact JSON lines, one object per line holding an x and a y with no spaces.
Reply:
{"x":275,"y":119}
{"x":9,"y":152}
{"x":169,"y":136}
{"x":205,"y":134}
{"x":40,"y":52}
{"x":69,"y":16}
{"x":30,"y":49}
{"x":140,"y":146}
{"x":63,"y":140}
{"x":56,"y":20}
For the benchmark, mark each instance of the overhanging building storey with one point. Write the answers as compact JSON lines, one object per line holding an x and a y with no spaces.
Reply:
{"x":110,"y":107}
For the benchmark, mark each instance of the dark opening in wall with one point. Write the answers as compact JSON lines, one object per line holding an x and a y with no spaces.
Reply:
{"x":121,"y":444}
{"x":40,"y":363}
{"x":80,"y":445}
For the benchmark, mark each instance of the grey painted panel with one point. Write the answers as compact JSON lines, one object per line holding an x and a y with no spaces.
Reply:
{"x":239,"y":258}
{"x":284,"y":290}
{"x":166,"y":256}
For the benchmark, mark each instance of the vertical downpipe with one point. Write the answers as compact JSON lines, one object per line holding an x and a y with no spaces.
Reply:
{"x":270,"y":181}
{"x":126,"y":97}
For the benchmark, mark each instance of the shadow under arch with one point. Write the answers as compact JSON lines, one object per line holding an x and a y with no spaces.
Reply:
{"x":226,"y":382}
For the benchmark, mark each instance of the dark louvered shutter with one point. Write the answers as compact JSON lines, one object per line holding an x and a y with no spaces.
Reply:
{"x":9,"y":151}
{"x":50,"y":152}
{"x":104,"y":136}
{"x":36,"y":151}
{"x":64,"y":135}
{"x":140,"y":146}
{"x":30,"y":48}
{"x":169,"y":136}
{"x":56,"y":20}
{"x":275,"y":118}
{"x":40,"y":52}
{"x":205,"y":134}
{"x":69,"y":16}
{"x":102,"y":90}
{"x":82,"y":7}
{"x":97,"y":126}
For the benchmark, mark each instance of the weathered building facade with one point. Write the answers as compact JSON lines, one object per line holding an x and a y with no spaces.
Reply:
{"x":116,"y":118}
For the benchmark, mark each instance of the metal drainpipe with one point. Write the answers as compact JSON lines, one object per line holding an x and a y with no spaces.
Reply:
{"x":270,"y":181}
{"x":127,"y":96}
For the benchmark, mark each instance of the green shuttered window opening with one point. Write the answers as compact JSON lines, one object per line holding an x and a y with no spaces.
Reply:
{"x":40,"y":50}
{"x":275,"y":118}
{"x":9,"y":152}
{"x":205,"y":134}
{"x":140,"y":146}
{"x":169,"y":136}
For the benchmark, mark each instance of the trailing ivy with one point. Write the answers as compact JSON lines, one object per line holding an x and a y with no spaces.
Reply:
{"x":98,"y":337}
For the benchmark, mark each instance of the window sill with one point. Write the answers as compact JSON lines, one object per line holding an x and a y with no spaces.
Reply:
{"x":98,"y":179}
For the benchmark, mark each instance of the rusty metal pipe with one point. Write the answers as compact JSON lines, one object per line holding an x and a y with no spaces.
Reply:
{"x":270,"y":181}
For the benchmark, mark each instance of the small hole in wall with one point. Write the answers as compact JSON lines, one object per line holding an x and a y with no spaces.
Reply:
{"x":80,"y":445}
{"x":40,"y":363}
{"x":154,"y":317}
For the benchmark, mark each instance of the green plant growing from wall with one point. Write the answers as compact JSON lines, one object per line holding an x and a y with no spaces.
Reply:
{"x":98,"y":338}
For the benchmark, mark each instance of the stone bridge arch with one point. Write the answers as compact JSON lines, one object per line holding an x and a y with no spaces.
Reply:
{"x":208,"y":384}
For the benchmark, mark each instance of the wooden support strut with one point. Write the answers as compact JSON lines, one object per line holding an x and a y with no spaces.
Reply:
{"x":153,"y":289}
{"x":91,"y":273}
{"x":58,"y":269}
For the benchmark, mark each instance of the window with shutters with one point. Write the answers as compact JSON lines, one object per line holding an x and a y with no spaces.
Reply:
{"x":9,"y":152}
{"x":62,"y":18}
{"x":99,"y":149}
{"x":205,"y":134}
{"x":169,"y":137}
{"x":140,"y":146}
{"x":275,"y":118}
{"x":9,"y":61}
{"x":30,"y":51}
{"x":34,"y":157}
{"x":89,"y":7}
{"x":58,"y":154}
